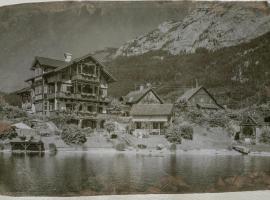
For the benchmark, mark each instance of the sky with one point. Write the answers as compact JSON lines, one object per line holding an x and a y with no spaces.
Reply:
{"x":50,"y":29}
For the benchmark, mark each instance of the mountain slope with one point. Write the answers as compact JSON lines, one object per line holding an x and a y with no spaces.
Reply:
{"x":238,"y":75}
{"x":210,"y":26}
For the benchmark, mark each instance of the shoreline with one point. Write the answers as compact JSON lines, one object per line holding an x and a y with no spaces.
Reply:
{"x":149,"y":152}
{"x":246,"y":195}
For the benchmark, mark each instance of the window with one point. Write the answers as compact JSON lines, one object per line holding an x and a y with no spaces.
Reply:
{"x":45,"y":89}
{"x":70,"y":88}
{"x":155,"y":125}
{"x":87,"y":89}
{"x":51,"y":106}
{"x":100,"y":109}
{"x":38,"y":71}
{"x":138,"y":125}
{"x":38,"y":90}
{"x":80,"y":107}
{"x":79,"y":88}
{"x":69,"y":107}
{"x":88,"y":69}
{"x":46,"y":105}
{"x":90,"y":108}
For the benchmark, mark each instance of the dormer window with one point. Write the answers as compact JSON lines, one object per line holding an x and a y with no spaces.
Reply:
{"x":89,"y":69}
{"x":38,"y":71}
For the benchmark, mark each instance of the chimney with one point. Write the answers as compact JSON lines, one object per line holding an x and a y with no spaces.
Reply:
{"x":68,"y":57}
{"x":148,"y":85}
{"x":141,"y":87}
{"x":197,"y":83}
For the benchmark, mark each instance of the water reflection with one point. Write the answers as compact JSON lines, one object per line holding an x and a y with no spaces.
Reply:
{"x":95,"y":174}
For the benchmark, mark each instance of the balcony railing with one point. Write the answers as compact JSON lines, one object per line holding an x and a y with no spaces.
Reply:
{"x":85,"y":77}
{"x":83,"y":96}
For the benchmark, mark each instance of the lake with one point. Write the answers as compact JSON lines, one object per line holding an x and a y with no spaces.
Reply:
{"x":78,"y":173}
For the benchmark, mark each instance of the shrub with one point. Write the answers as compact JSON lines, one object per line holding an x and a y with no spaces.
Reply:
{"x":173,"y":134}
{"x":120,"y":147}
{"x":113,"y":136}
{"x":109,"y":126}
{"x":265,"y":136}
{"x":187,"y":132}
{"x":73,"y":135}
{"x":142,"y":146}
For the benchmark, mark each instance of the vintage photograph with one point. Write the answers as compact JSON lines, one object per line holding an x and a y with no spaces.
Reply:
{"x":134,"y":97}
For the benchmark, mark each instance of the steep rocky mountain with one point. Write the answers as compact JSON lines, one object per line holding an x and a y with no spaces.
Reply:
{"x":237,"y":75}
{"x":210,"y":26}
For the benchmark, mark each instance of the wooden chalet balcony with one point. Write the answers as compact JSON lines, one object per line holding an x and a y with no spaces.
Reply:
{"x":81,"y":96}
{"x":85,"y":77}
{"x":77,"y":113}
{"x":61,"y":95}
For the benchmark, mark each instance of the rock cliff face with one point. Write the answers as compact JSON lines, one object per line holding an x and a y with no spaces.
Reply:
{"x":210,"y":26}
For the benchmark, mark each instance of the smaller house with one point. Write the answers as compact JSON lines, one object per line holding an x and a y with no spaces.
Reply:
{"x":248,"y":128}
{"x":141,"y":96}
{"x":201,"y":98}
{"x":151,"y":118}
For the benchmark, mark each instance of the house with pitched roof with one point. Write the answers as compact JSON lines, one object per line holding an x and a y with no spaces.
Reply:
{"x":151,"y":118}
{"x":143,"y":95}
{"x":248,"y":129}
{"x":71,"y":86}
{"x":201,"y":98}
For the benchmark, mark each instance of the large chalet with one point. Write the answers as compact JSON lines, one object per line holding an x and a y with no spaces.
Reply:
{"x":77,"y":87}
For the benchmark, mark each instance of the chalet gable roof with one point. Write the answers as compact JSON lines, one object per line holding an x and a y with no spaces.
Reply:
{"x":135,"y":96}
{"x":50,"y":62}
{"x":59,"y":65}
{"x":151,"y":110}
{"x":191,"y":92}
{"x":248,"y":121}
{"x":23,"y":90}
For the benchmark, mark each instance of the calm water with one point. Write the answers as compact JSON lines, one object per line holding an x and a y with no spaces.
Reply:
{"x":95,"y":174}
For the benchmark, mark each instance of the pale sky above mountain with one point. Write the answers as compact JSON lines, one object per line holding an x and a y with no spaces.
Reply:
{"x":50,"y":29}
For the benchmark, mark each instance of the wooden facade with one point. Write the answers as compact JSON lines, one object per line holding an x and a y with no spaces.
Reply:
{"x":78,"y":87}
{"x":151,"y":118}
{"x":201,"y":98}
{"x":248,"y":128}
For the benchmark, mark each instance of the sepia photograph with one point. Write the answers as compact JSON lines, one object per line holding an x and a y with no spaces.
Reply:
{"x":135,"y":100}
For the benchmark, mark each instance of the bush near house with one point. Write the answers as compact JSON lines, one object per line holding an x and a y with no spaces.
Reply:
{"x":187,"y":132}
{"x":173,"y":134}
{"x":113,"y":136}
{"x":177,"y":131}
{"x":142,"y":146}
{"x":61,"y":120}
{"x":109,"y":126}
{"x":265,"y":136}
{"x":73,"y":135}
{"x":11,"y":112}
